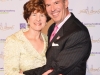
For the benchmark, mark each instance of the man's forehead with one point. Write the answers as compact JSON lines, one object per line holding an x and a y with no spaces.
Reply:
{"x":48,"y":1}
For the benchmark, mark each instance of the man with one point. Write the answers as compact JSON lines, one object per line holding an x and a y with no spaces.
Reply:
{"x":70,"y":48}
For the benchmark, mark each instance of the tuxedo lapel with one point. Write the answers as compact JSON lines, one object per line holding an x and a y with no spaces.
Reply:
{"x":56,"y":37}
{"x":66,"y":29}
{"x":50,"y":31}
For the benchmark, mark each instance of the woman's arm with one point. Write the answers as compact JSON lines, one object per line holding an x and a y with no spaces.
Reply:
{"x":11,"y":56}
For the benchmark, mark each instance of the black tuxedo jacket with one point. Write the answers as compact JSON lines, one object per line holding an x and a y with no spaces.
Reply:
{"x":68,"y":51}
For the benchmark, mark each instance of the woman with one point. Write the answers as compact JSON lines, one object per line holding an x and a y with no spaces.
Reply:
{"x":26,"y":48}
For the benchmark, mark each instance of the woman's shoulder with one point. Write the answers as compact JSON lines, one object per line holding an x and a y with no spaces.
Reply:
{"x":14,"y":36}
{"x":45,"y":36}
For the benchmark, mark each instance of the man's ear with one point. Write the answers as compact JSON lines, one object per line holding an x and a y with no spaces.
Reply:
{"x":66,"y":3}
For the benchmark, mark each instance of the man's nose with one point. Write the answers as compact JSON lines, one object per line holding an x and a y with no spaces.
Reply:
{"x":52,"y":8}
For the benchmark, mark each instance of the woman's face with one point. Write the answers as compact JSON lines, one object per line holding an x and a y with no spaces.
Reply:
{"x":37,"y":21}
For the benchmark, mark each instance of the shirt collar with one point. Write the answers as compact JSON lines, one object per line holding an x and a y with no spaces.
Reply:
{"x":61,"y":24}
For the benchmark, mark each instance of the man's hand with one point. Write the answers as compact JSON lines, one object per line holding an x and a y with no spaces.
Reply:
{"x":21,"y":72}
{"x":47,"y":72}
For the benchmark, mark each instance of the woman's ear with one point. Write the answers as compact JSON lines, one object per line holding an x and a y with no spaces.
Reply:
{"x":28,"y":22}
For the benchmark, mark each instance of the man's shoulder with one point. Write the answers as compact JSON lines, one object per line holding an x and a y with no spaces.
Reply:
{"x":52,"y":25}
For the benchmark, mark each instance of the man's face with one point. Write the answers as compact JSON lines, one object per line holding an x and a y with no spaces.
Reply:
{"x":57,"y":9}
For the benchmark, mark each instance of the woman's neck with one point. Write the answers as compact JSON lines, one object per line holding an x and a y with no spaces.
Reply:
{"x":33,"y":34}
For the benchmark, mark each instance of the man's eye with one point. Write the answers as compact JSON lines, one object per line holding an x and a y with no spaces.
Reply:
{"x":56,"y":2}
{"x":47,"y":5}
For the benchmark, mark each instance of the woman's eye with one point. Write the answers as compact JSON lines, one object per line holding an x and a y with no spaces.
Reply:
{"x":42,"y":15}
{"x":34,"y":14}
